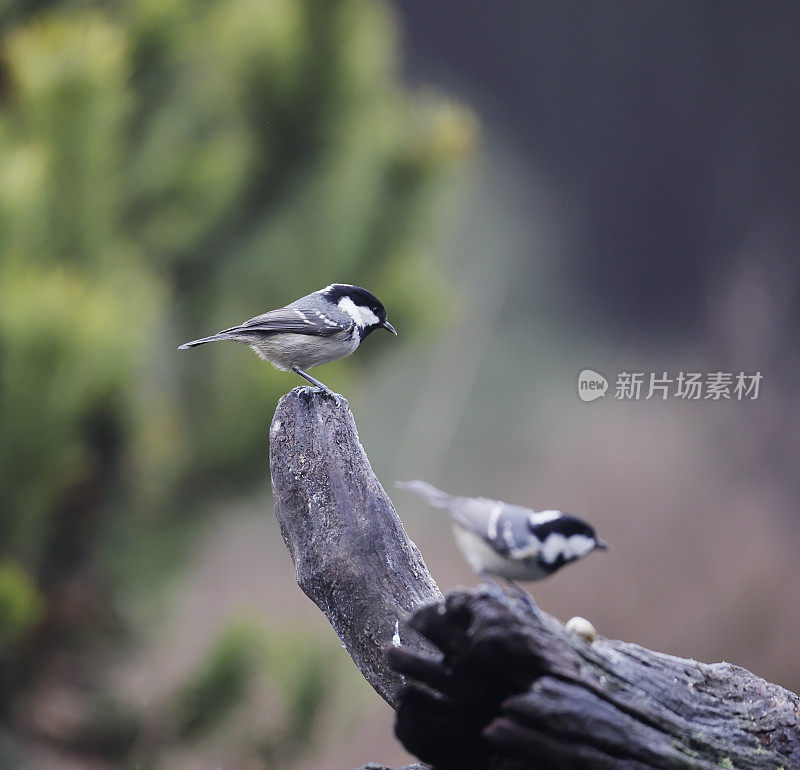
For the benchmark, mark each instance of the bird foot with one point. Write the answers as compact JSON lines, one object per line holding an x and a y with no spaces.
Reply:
{"x":522,"y":596}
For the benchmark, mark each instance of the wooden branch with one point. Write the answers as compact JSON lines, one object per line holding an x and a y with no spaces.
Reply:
{"x":350,"y":551}
{"x":491,"y":683}
{"x":511,"y":689}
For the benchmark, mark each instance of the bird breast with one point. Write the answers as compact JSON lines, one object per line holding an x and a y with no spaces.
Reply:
{"x":285,"y":350}
{"x":483,"y":558}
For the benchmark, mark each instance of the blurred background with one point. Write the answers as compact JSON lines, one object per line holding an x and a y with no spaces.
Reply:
{"x":531,"y":188}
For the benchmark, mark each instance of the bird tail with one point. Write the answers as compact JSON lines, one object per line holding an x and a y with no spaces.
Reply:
{"x":203,"y":340}
{"x":434,"y":496}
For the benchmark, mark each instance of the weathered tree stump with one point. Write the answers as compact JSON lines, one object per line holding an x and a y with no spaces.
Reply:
{"x":350,"y":551}
{"x":512,"y":688}
{"x":483,"y":682}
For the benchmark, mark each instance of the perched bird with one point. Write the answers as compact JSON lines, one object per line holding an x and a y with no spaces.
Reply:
{"x":509,"y":541}
{"x":319,"y":328}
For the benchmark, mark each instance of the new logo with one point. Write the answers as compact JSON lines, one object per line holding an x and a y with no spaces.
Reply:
{"x":591,"y":385}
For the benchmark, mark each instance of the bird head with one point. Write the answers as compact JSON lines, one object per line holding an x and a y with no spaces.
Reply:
{"x":362,"y":306}
{"x":564,"y":538}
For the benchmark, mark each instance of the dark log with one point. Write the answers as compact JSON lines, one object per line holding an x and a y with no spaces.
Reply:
{"x":489,"y":682}
{"x":513,"y":688}
{"x":350,"y":551}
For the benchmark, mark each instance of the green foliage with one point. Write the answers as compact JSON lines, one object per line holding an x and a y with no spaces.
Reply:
{"x":302,"y":668}
{"x":248,"y":668}
{"x":171,"y":168}
{"x":168,"y":168}
{"x":60,"y":339}
{"x":20,"y":605}
{"x":221,"y":683}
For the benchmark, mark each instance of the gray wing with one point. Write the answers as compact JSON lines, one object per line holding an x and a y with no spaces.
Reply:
{"x":290,"y":319}
{"x":507,"y":528}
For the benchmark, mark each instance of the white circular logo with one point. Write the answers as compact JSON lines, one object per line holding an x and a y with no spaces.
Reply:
{"x":591,"y":385}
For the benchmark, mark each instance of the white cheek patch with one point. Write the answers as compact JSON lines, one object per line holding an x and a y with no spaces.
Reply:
{"x":362,"y":316}
{"x":542,"y":517}
{"x":573,"y":547}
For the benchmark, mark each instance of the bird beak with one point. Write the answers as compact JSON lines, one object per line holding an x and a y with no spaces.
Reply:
{"x":389,"y":328}
{"x":601,"y":544}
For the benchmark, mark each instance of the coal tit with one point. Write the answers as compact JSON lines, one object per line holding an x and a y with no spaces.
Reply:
{"x":509,"y":541}
{"x":319,"y":328}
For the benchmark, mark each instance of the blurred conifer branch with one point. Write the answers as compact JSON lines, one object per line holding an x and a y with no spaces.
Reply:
{"x":165,"y":167}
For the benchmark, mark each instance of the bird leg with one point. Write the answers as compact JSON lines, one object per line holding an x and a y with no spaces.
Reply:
{"x":493,"y":588}
{"x":521,"y":594}
{"x":321,"y":385}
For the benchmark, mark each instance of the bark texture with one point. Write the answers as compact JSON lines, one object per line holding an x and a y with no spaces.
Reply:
{"x":350,"y":551}
{"x":483,"y":681}
{"x":511,"y":688}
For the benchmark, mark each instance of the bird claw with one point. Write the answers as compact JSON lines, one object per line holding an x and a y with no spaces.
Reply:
{"x":528,"y":601}
{"x":522,"y":596}
{"x":519,"y":596}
